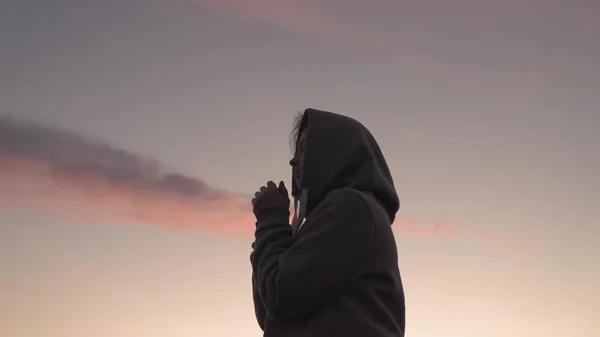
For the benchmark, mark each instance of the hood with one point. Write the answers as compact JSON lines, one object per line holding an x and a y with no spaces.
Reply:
{"x":341,"y":152}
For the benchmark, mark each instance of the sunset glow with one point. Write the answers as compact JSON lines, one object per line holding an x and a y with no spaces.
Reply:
{"x":133,"y":134}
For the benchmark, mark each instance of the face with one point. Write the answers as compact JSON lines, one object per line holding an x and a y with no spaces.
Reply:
{"x":297,"y":162}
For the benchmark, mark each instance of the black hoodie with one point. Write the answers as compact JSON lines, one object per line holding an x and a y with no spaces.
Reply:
{"x":338,"y":274}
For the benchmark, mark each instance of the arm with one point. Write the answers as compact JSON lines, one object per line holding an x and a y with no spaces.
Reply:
{"x":296,"y":279}
{"x":259,"y":307}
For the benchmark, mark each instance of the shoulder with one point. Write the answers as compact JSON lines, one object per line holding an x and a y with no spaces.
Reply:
{"x":344,"y":216}
{"x":348,"y":195}
{"x":347,"y":203}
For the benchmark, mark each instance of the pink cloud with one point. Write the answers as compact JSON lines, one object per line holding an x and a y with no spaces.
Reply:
{"x":68,"y":176}
{"x":90,"y":196}
{"x":306,"y":19}
{"x":451,"y":229}
{"x":443,"y":228}
{"x":311,"y":18}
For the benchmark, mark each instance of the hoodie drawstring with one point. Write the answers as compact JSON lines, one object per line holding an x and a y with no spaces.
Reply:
{"x":298,"y":219}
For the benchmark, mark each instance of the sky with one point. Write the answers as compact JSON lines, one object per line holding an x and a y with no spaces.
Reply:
{"x":132,"y":133}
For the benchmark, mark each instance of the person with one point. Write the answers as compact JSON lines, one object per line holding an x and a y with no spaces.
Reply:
{"x":334,"y":270}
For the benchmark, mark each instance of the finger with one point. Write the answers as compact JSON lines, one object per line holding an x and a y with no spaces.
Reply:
{"x":256,"y":195}
{"x":253,"y":201}
{"x":282,"y":188}
{"x":262,"y":189}
{"x":271,"y":184}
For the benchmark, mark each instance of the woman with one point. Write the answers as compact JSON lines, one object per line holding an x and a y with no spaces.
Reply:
{"x":334,"y":270}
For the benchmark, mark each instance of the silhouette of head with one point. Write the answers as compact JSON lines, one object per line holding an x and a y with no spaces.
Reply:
{"x":298,"y":139}
{"x":333,"y":151}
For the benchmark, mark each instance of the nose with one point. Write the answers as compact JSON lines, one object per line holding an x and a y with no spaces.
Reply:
{"x":294,"y":162}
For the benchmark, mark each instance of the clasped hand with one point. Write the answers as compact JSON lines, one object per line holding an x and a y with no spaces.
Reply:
{"x":271,"y":196}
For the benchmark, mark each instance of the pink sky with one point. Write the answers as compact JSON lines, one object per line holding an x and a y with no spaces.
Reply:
{"x":68,"y":176}
{"x":140,"y":128}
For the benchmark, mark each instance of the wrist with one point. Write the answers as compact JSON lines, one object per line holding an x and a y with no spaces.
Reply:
{"x":273,"y":216}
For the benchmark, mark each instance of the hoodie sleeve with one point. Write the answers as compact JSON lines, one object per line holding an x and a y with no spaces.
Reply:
{"x":297,"y":278}
{"x":259,"y":308}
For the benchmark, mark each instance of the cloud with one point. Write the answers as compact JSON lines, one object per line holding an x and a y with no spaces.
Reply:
{"x":443,"y":228}
{"x":451,"y":229}
{"x":306,"y":19}
{"x":322,"y":21}
{"x":69,"y":176}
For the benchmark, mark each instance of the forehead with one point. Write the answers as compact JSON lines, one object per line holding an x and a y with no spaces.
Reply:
{"x":302,"y":135}
{"x":301,"y":138}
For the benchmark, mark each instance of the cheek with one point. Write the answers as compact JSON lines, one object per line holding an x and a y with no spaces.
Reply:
{"x":301,"y":160}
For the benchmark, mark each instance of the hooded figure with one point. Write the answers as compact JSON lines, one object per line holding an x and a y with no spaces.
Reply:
{"x":334,"y":271}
